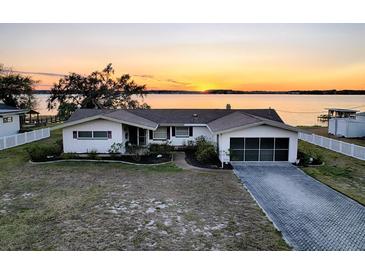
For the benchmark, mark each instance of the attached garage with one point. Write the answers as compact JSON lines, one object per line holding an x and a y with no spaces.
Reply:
{"x":259,"y":143}
{"x":259,"y":149}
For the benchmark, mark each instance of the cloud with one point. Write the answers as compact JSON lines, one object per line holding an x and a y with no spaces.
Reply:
{"x":144,"y":76}
{"x":148,"y":76}
{"x":162,"y":80}
{"x":37,"y":73}
{"x":178,"y":82}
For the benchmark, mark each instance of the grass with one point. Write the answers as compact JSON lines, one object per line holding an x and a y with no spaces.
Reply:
{"x":323,"y":131}
{"x":106,"y":206}
{"x":343,"y":173}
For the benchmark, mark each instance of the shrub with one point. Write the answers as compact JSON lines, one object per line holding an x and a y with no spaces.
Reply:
{"x":200,"y":141}
{"x":304,"y":159}
{"x":205,"y":151}
{"x":70,"y":155}
{"x":115,"y":148}
{"x":59,"y":143}
{"x":93,"y":154}
{"x":206,"y":154}
{"x":309,"y":158}
{"x":43,"y":152}
{"x":189,"y":145}
{"x":164,"y":148}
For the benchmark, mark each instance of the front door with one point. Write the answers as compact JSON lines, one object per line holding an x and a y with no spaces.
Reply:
{"x":133,"y":135}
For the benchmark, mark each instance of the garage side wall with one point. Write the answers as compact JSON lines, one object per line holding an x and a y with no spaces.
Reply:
{"x":257,"y":132}
{"x":71,"y":145}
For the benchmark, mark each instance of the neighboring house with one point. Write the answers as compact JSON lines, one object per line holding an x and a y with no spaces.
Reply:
{"x":9,"y":120}
{"x":240,"y":134}
{"x":347,"y":123}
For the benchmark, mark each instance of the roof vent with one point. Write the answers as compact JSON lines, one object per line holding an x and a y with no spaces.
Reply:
{"x":195,"y":115}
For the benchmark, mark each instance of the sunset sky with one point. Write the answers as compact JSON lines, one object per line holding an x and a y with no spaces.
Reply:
{"x":193,"y":56}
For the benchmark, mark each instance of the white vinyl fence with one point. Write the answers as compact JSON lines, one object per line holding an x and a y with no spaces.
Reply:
{"x":335,"y":145}
{"x":23,"y":138}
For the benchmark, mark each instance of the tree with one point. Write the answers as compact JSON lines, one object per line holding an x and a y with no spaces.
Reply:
{"x":97,"y":90}
{"x":16,"y":90}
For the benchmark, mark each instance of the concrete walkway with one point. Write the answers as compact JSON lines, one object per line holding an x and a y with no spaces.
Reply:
{"x":179,"y":160}
{"x":310,"y":215}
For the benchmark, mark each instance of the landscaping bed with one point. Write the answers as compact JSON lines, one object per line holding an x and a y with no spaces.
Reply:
{"x":190,"y":157}
{"x":149,"y":159}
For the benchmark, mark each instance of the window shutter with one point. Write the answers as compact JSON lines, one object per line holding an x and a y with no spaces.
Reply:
{"x":74,"y":134}
{"x":173,"y":131}
{"x":109,"y":134}
{"x":151,"y":134}
{"x":168,"y":133}
{"x":190,"y":131}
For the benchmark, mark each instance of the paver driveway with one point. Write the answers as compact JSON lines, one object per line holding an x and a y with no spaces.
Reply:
{"x":310,"y":215}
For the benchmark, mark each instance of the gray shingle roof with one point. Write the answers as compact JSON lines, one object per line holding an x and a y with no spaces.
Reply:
{"x":6,"y":107}
{"x":204,"y":116}
{"x":216,"y":119}
{"x":119,"y":114}
{"x":232,"y":120}
{"x":126,"y":116}
{"x":9,"y":109}
{"x":85,"y":113}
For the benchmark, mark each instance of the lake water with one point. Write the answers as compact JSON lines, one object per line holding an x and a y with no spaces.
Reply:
{"x":294,"y":109}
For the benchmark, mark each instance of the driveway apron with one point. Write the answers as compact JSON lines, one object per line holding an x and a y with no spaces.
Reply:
{"x":310,"y":215}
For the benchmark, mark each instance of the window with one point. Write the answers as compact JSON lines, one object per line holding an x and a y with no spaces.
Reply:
{"x":142,"y":139}
{"x":96,"y":135}
{"x":160,"y":133}
{"x":85,"y":134}
{"x":100,"y":134}
{"x":7,"y":120}
{"x":259,"y":149}
{"x":182,"y":132}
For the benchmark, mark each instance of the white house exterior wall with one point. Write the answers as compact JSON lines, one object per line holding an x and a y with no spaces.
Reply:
{"x":197,"y":132}
{"x":7,"y":129}
{"x":71,"y":145}
{"x":258,"y":132}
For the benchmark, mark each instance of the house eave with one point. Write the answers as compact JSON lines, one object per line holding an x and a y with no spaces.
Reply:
{"x":92,"y":118}
{"x":16,"y":112}
{"x":283,"y":126}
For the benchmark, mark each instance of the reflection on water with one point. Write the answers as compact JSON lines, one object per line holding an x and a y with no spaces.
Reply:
{"x":294,"y":109}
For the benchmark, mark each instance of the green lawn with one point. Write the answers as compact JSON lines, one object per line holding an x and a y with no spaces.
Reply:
{"x":343,"y":173}
{"x":112,"y":206}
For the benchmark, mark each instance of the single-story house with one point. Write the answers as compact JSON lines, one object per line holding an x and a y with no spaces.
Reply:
{"x":9,"y":120}
{"x":239,"y":134}
{"x":346,"y":123}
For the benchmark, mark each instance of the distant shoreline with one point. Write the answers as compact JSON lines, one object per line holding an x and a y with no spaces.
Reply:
{"x":238,"y":92}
